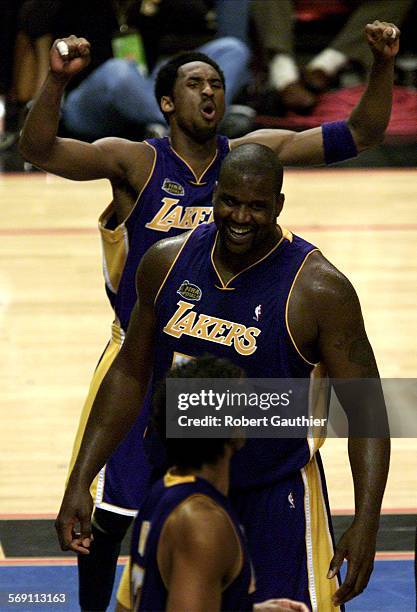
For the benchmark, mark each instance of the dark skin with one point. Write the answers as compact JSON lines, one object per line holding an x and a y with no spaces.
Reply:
{"x":197,"y":564}
{"x":193,"y":124}
{"x":326,"y":322}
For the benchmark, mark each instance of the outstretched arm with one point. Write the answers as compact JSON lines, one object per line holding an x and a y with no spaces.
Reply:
{"x":364,"y":128}
{"x":345,"y":350}
{"x":118,"y":401}
{"x":73,"y":159}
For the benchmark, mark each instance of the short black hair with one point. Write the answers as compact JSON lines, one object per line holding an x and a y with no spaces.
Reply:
{"x":253,"y":158}
{"x":190,"y":452}
{"x":167,"y":74}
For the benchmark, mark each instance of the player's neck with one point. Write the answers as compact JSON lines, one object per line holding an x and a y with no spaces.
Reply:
{"x":197,"y":154}
{"x":217,"y":474}
{"x":229,"y":264}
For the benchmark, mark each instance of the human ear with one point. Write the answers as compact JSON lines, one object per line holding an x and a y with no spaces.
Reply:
{"x":167,"y":104}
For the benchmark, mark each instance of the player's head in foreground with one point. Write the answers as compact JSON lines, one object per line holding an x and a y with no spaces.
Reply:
{"x":190,"y":453}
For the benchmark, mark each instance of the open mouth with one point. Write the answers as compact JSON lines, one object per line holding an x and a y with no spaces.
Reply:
{"x":208,"y":111}
{"x":239,"y":234}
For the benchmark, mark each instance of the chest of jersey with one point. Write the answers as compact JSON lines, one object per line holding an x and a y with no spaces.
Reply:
{"x":243,"y":320}
{"x":173,"y":200}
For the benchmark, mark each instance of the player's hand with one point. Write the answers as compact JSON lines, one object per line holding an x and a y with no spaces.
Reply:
{"x":280,"y":605}
{"x":383,"y":39}
{"x":68,"y":56}
{"x":357,"y":545}
{"x":73,"y":524}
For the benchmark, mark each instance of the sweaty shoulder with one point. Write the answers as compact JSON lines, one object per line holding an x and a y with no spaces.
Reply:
{"x":321,"y":281}
{"x":193,"y":513}
{"x":185,"y":531}
{"x":156,"y":263}
{"x":322,"y":298}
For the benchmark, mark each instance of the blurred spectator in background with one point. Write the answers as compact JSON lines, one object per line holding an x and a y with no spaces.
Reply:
{"x":114,"y":96}
{"x":9,"y":106}
{"x":275,"y":21}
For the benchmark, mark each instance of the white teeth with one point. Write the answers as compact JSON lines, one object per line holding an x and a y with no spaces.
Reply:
{"x":240,"y":230}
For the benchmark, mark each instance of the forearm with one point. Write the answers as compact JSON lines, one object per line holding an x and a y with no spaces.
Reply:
{"x":369,"y":461}
{"x":369,"y":119}
{"x":42,"y":46}
{"x":114,"y":411}
{"x":39,"y":132}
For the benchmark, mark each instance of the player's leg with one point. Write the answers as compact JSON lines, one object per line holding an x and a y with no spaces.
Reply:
{"x":131,"y":580}
{"x":287,"y":528}
{"x":96,"y":571}
{"x":124,"y":590}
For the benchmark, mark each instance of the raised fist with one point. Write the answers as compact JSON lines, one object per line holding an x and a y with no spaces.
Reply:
{"x":68,"y":56}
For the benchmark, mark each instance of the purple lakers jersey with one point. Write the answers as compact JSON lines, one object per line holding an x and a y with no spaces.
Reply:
{"x":172,"y":201}
{"x":166,"y":495}
{"x":244,"y":321}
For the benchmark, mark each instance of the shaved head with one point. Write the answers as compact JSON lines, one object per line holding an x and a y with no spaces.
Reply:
{"x":253,"y":159}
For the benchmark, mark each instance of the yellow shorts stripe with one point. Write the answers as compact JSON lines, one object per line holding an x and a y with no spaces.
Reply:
{"x":124,"y":590}
{"x":105,"y":362}
{"x":318,"y":541}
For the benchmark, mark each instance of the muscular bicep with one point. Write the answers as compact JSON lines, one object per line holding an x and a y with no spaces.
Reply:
{"x":349,"y":359}
{"x":343,"y":343}
{"x":82,"y":161}
{"x":195,"y":584}
{"x":197,"y":564}
{"x":292,"y":148}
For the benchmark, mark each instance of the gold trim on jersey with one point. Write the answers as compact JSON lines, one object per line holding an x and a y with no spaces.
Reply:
{"x":225,"y":288}
{"x":171,"y":480}
{"x":172,"y":265}
{"x":287,"y":304}
{"x":179,"y":359}
{"x":115,"y":248}
{"x":147,"y":180}
{"x":197,"y":179}
{"x":286,"y":235}
{"x":115,"y":242}
{"x":317,"y":406}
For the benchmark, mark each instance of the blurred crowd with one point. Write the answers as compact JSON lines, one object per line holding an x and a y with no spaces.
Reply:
{"x":278,"y":56}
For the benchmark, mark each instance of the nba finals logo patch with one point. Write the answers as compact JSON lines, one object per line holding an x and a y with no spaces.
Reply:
{"x":190,"y":291}
{"x":172,"y":187}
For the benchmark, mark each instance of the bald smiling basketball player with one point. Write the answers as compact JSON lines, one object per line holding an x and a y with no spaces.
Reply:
{"x":162,"y":188}
{"x":311,"y":322}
